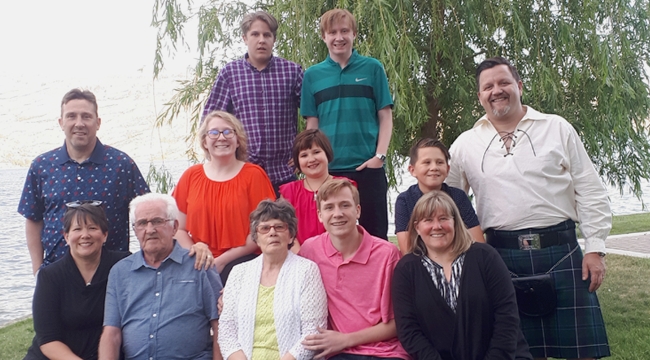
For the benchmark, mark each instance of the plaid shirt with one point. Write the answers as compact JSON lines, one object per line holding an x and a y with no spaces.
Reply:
{"x":267,"y":104}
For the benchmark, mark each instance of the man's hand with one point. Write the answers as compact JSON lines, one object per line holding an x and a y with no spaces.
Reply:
{"x":593,"y":265}
{"x":203,"y":256}
{"x":373,"y":163}
{"x":326,"y":342}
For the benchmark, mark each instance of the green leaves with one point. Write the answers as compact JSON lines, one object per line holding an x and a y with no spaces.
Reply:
{"x":584,"y":60}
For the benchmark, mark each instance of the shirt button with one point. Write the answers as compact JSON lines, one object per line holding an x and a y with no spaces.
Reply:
{"x":157,"y":294}
{"x":158,"y":272}
{"x":154,"y":315}
{"x":151,"y":336}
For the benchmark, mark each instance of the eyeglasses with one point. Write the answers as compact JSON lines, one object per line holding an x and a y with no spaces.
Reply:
{"x":77,"y":203}
{"x":155,"y":222}
{"x":264,"y":229}
{"x":214,"y":133}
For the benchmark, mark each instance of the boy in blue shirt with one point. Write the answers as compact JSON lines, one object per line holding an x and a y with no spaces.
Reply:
{"x":429,"y":164}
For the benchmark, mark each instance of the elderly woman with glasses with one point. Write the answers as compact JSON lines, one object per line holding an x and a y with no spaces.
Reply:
{"x":68,"y":306}
{"x":216,"y":197}
{"x":453,"y":297}
{"x":275,"y":300}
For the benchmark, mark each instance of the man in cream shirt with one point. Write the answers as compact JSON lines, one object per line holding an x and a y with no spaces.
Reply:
{"x":533,"y":180}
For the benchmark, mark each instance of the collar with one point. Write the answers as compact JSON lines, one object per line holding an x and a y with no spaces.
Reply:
{"x":97,"y":156}
{"x":268,"y":66}
{"x":531,"y":114}
{"x":355,"y":55}
{"x":418,"y":192}
{"x":362,"y":254}
{"x":176,"y":256}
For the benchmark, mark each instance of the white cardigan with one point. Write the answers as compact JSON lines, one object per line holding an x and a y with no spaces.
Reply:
{"x":299,"y":306}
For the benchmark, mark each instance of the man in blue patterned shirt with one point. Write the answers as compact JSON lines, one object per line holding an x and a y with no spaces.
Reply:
{"x":263,"y":91}
{"x":82,"y":169}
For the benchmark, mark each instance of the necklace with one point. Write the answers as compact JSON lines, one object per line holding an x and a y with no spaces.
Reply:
{"x":92,"y":274}
{"x":312,"y":189}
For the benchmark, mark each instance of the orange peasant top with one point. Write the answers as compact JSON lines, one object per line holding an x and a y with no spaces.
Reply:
{"x":218,"y":211}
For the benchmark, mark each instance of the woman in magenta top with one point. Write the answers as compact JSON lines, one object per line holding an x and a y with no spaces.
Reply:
{"x":311,"y":153}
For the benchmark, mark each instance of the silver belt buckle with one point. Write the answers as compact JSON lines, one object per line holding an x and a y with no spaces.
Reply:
{"x":530,"y":242}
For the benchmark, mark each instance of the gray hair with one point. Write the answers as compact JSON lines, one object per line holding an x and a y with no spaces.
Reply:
{"x":170,"y":202}
{"x":281,"y":210}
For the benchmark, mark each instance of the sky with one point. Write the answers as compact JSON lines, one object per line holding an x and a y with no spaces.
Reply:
{"x":75,"y":36}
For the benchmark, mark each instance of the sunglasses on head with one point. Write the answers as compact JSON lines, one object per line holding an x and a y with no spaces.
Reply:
{"x":77,"y":203}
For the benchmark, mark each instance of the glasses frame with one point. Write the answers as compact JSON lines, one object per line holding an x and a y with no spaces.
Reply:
{"x":146,"y":224}
{"x":211,"y":135}
{"x":274,"y":227}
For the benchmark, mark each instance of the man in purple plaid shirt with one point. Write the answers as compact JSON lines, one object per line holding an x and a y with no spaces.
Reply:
{"x":263,"y":91}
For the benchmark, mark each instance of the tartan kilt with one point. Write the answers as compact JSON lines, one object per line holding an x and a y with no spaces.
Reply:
{"x":576,"y":329}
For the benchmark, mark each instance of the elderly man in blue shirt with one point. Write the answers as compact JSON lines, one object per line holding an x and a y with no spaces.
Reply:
{"x":157,"y":305}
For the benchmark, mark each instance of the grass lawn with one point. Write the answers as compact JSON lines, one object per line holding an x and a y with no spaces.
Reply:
{"x":626,"y":224}
{"x":625,"y":300}
{"x":15,"y":339}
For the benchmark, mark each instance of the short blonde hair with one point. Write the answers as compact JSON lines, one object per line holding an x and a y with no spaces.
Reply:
{"x":331,"y":187}
{"x":427,"y":206}
{"x":335,"y":16}
{"x":241,"y":153}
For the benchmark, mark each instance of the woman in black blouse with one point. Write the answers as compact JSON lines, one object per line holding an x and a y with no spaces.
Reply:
{"x":452,"y":297}
{"x":68,"y":306}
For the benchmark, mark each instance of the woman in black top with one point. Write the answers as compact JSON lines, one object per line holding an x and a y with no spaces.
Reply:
{"x":68,"y":306}
{"x":452,"y":297}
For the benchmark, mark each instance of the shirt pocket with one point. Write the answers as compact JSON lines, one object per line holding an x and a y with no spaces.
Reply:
{"x":185,"y":293}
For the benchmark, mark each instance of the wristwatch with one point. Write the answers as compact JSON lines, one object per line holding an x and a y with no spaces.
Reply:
{"x":601,"y":254}
{"x":381,"y":157}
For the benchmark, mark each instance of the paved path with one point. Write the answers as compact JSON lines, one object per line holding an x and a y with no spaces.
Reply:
{"x":637,"y":244}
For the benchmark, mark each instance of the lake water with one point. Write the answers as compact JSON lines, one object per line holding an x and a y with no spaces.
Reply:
{"x":17,"y":285}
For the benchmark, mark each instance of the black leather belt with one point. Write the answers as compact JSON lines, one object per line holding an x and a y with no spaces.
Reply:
{"x":562,"y":233}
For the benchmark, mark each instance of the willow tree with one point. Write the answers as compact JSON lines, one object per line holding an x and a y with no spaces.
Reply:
{"x":585,"y":60}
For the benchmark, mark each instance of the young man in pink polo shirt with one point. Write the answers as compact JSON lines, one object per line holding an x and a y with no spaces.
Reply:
{"x":357,"y":269}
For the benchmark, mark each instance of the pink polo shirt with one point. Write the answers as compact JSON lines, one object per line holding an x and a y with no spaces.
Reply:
{"x":358,"y":289}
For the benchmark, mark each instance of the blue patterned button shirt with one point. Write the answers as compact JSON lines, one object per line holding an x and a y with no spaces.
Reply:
{"x":54,"y":179}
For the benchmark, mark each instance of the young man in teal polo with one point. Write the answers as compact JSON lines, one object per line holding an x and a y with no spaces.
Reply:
{"x":347,"y":97}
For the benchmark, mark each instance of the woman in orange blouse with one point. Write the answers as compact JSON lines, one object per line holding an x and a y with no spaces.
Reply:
{"x":216,"y":198}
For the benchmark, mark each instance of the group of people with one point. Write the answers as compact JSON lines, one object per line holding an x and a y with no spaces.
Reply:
{"x":301,"y":266}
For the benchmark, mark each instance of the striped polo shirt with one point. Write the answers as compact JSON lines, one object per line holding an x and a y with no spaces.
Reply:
{"x":346,"y":102}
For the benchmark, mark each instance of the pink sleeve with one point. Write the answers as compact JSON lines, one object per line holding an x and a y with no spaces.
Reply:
{"x":386,"y":299}
{"x":287,"y":191}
